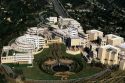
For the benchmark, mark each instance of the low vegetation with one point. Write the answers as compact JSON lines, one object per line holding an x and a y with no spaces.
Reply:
{"x":35,"y":72}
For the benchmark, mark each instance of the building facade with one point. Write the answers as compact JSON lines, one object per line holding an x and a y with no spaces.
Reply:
{"x":28,"y":43}
{"x":109,"y":55}
{"x":21,"y":58}
{"x":114,"y":39}
{"x":94,"y":34}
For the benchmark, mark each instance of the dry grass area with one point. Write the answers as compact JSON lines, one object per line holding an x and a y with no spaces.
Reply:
{"x":50,"y":62}
{"x":64,"y":75}
{"x":66,"y":61}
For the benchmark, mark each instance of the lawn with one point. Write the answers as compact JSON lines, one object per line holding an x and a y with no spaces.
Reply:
{"x":86,"y":72}
{"x":35,"y":73}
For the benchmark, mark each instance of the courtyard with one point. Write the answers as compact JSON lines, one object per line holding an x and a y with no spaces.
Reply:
{"x":82,"y":70}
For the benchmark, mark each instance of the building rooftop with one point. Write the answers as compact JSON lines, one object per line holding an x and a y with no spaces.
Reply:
{"x":109,"y":46}
{"x":93,"y":31}
{"x":113,"y":36}
{"x":122,"y":45}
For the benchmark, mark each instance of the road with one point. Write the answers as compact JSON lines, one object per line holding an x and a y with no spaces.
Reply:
{"x":59,"y":8}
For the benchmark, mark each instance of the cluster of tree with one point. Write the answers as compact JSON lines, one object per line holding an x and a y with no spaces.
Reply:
{"x":19,"y":76}
{"x":97,"y":64}
{"x":16,"y":16}
{"x":114,"y":67}
{"x":2,"y":78}
{"x":109,"y":18}
{"x":74,"y":3}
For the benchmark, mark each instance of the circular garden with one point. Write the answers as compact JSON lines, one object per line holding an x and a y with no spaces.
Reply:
{"x":55,"y":62}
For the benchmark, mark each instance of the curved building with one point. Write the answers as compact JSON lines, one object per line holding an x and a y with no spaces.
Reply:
{"x":28,"y":43}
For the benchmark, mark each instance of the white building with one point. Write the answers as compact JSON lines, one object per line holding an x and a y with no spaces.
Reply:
{"x":35,"y":30}
{"x":122,"y":56}
{"x":64,"y":21}
{"x":69,"y":31}
{"x":28,"y":43}
{"x":21,"y":58}
{"x":108,"y":54}
{"x":94,"y":34}
{"x":69,"y":22}
{"x":72,"y":32}
{"x":103,"y":42}
{"x":114,"y":39}
{"x":122,"y":65}
{"x":84,"y":41}
{"x":52,"y":20}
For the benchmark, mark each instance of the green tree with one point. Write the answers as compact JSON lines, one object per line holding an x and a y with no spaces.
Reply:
{"x":2,"y":78}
